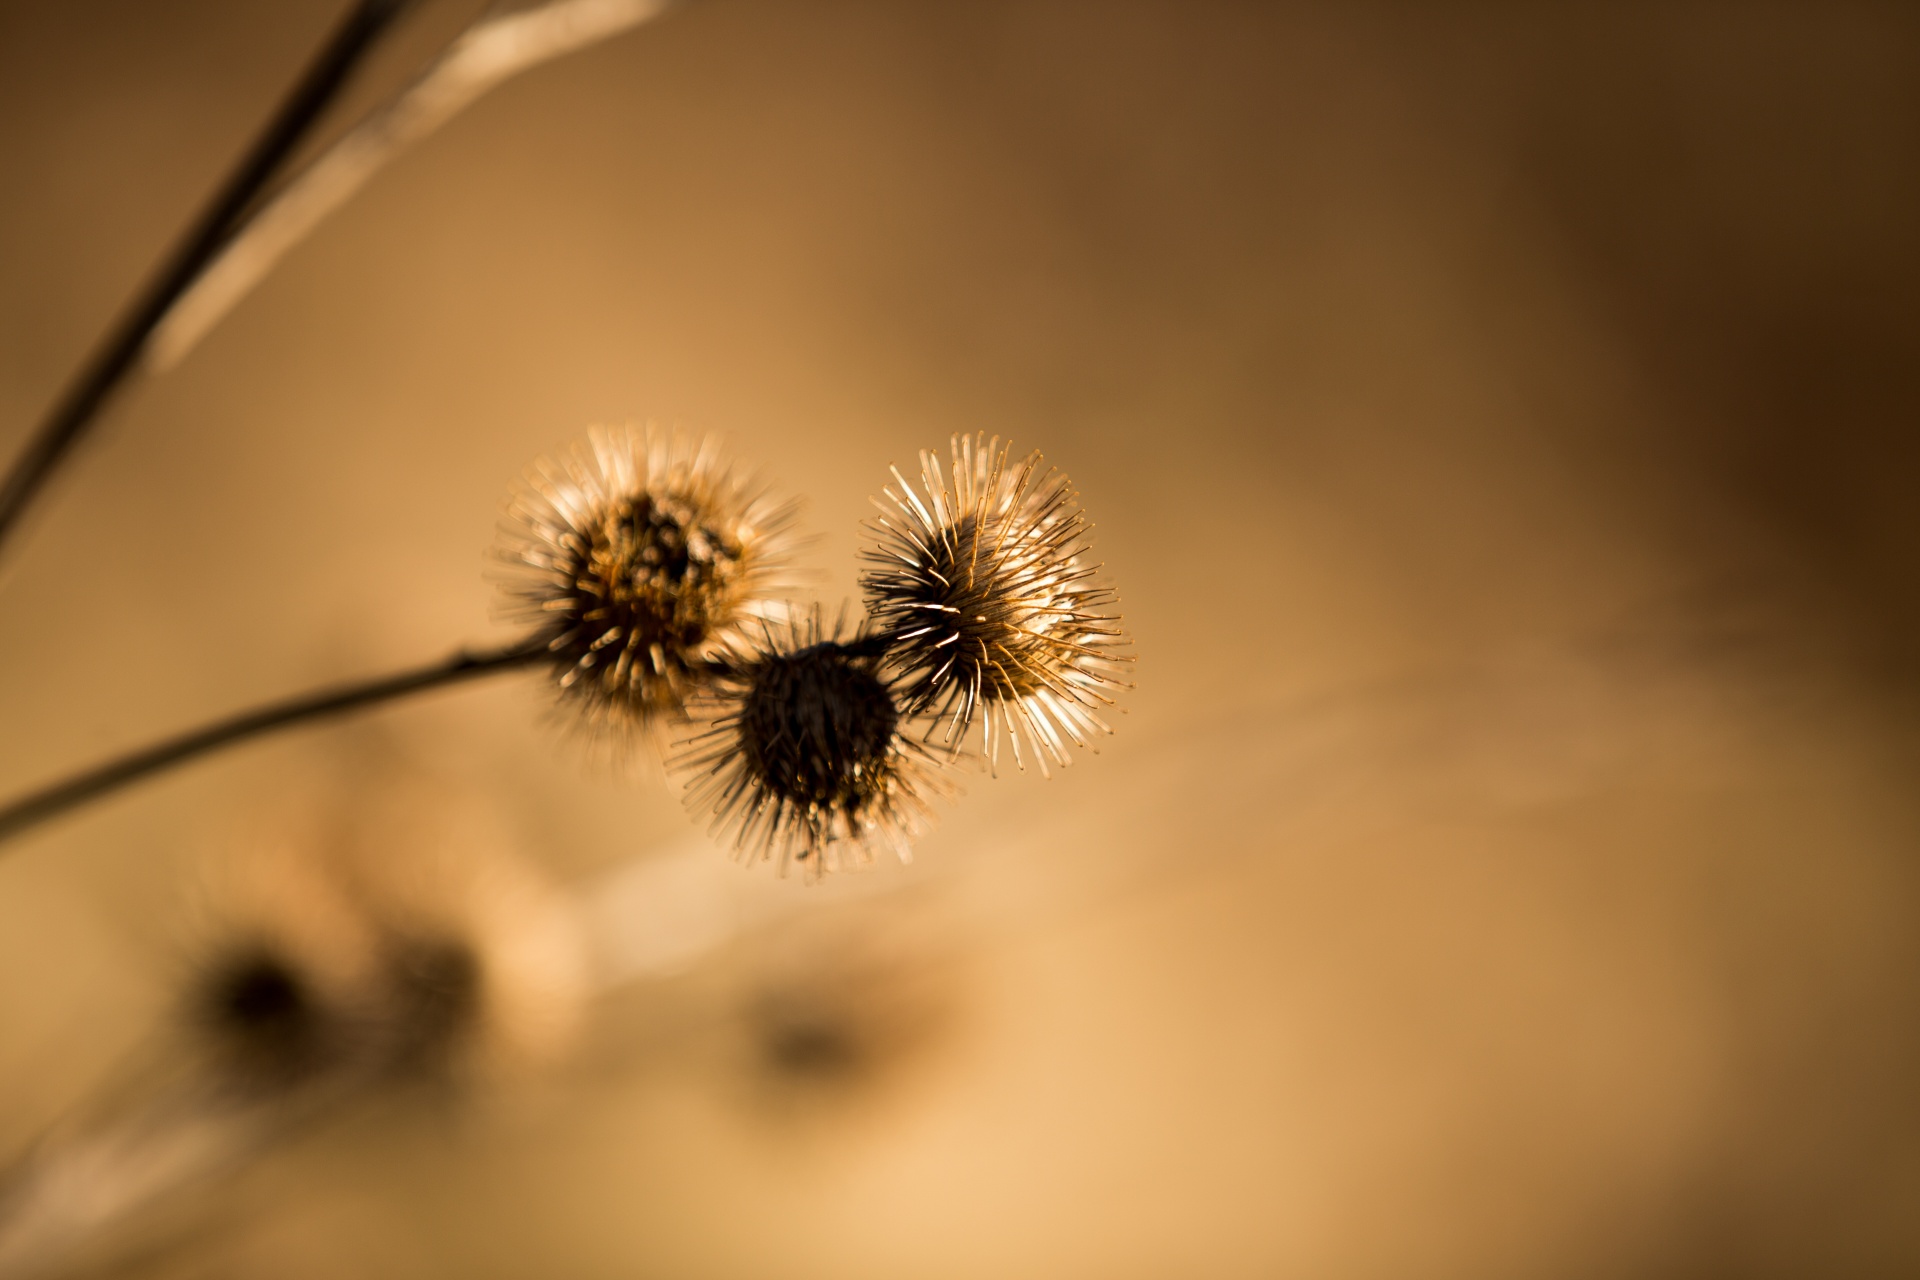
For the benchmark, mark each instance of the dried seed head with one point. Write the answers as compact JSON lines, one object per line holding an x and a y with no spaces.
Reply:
{"x":804,"y":754}
{"x":271,"y":1027}
{"x":284,"y":990}
{"x":480,"y":961}
{"x":411,"y":950}
{"x":637,"y":557}
{"x":481,"y":998}
{"x":845,"y":1003}
{"x":992,"y":610}
{"x":436,"y":1000}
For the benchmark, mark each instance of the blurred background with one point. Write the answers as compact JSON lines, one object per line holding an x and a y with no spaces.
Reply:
{"x":1498,"y":420}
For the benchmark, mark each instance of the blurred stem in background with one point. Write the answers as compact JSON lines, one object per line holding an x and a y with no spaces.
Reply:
{"x":120,"y":351}
{"x":240,"y":236}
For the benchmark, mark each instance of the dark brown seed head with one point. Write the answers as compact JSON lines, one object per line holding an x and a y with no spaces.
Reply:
{"x":817,"y":727}
{"x":804,"y":751}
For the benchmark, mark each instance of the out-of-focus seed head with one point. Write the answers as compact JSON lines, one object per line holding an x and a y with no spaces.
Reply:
{"x":804,"y":757}
{"x":406,"y":946}
{"x":846,"y":1004}
{"x":481,"y":965}
{"x":273,"y":1028}
{"x":637,"y":557}
{"x":283,"y":990}
{"x":994,"y":614}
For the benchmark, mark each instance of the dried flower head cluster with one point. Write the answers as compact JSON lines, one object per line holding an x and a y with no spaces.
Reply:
{"x":637,"y":558}
{"x":995,"y":614}
{"x":649,"y":573}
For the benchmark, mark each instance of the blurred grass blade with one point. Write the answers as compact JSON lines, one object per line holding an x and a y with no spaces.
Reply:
{"x":488,"y":53}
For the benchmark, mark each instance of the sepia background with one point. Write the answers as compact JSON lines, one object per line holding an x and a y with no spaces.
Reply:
{"x":1498,"y":421}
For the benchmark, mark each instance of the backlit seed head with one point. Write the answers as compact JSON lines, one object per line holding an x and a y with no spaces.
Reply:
{"x":637,"y":557}
{"x":804,"y":757}
{"x":993,"y":612}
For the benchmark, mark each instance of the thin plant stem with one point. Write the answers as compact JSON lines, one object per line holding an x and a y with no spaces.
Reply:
{"x":494,"y":49}
{"x":120,"y":351}
{"x":57,"y":798}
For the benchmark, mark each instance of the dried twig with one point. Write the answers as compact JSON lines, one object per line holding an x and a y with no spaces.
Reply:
{"x":491,"y":51}
{"x":229,"y":250}
{"x":121,"y":350}
{"x":55,"y":799}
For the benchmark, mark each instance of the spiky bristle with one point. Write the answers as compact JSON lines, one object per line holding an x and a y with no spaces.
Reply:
{"x":992,"y":611}
{"x":637,"y":557}
{"x":804,"y":758}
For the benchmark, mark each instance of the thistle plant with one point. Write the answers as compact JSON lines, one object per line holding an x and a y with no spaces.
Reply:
{"x":650,"y":577}
{"x":652,"y":582}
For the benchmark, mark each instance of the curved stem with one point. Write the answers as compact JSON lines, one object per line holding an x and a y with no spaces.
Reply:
{"x":109,"y":366}
{"x":496,"y":47}
{"x":50,"y":801}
